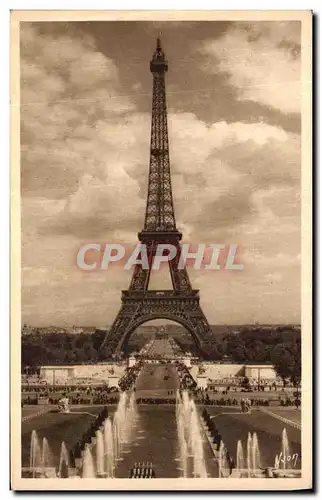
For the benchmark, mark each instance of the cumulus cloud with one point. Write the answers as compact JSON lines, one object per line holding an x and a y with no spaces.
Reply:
{"x":262,"y":61}
{"x":85,"y":157}
{"x":234,"y":162}
{"x":67,"y":87}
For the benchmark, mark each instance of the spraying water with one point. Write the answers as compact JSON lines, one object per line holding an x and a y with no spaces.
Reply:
{"x":99,"y":453}
{"x":239,"y":456}
{"x":255,"y":454}
{"x":99,"y":458}
{"x":63,"y":461}
{"x":111,"y":438}
{"x":88,"y":464}
{"x":189,"y":436}
{"x":221,"y":459}
{"x":249,"y":454}
{"x":109,"y":457}
{"x":223,"y":462}
{"x":45,"y":454}
{"x":183,"y":447}
{"x":35,"y":454}
{"x":285,"y":449}
{"x":124,"y":418}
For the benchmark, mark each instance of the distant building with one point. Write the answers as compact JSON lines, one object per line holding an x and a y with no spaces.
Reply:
{"x":260,"y":371}
{"x":109,"y":373}
{"x":224,"y":372}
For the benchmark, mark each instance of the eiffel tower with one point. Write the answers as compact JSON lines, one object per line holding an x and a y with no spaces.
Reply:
{"x":181,"y":304}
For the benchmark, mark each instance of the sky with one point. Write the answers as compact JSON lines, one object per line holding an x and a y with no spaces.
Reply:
{"x":234,"y":111}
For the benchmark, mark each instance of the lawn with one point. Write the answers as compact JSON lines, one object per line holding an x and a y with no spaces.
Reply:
{"x":28,"y":411}
{"x":235,"y":426}
{"x":57,"y":427}
{"x":159,"y":428}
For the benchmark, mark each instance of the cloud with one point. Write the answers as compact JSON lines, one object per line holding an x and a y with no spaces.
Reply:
{"x":218,"y":168}
{"x":262,"y":61}
{"x":85,"y":160}
{"x":67,"y":88}
{"x":224,"y":161}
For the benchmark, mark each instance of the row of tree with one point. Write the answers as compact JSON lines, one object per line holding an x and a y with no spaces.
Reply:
{"x":279,"y":346}
{"x":61,"y":348}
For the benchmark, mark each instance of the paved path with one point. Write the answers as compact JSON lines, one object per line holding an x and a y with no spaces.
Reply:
{"x":157,"y":381}
{"x":282,"y":418}
{"x":155,"y":437}
{"x":162,"y":348}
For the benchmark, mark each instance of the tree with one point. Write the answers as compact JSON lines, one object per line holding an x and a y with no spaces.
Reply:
{"x":296,"y":370}
{"x":97,"y":338}
{"x":287,"y":362}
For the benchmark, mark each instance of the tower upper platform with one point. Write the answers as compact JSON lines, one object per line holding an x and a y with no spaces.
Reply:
{"x":158,"y":64}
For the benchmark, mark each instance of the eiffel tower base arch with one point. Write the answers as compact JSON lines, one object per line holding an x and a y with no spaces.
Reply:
{"x":135,"y":311}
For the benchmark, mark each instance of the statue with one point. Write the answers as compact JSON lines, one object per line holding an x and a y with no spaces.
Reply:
{"x":63,"y":405}
{"x":201,"y":370}
{"x":246,"y":405}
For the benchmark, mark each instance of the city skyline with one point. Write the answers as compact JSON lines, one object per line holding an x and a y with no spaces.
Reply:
{"x":234,"y":100}
{"x":153,"y":323}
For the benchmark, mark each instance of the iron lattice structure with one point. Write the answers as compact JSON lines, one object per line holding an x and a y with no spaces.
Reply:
{"x":159,"y":209}
{"x":181,"y":304}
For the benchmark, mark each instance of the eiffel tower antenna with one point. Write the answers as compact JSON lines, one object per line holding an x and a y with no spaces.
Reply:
{"x":181,"y":304}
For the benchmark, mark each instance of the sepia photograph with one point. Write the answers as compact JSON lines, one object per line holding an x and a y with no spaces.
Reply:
{"x":160,"y":250}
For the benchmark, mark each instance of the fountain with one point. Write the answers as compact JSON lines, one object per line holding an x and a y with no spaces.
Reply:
{"x":189,"y":436}
{"x":35,"y":463}
{"x":100,"y":452}
{"x":109,"y":461}
{"x":286,"y":461}
{"x":284,"y":465}
{"x":40,"y":457}
{"x":63,"y":461}
{"x":45,"y":454}
{"x":124,"y":418}
{"x":132,"y":409}
{"x":220,"y":459}
{"x":239,"y":456}
{"x":183,"y":446}
{"x":255,"y":454}
{"x":88,"y":463}
{"x":99,"y":456}
{"x":249,"y":454}
{"x":199,"y":466}
{"x":223,"y":463}
{"x":110,"y":439}
{"x":285,"y":450}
